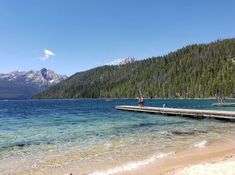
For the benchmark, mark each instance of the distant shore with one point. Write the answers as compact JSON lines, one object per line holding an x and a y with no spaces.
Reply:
{"x":146,"y":98}
{"x":128,"y":98}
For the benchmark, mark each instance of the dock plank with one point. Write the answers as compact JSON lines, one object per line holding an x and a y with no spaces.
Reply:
{"x":196,"y":113}
{"x":224,"y":104}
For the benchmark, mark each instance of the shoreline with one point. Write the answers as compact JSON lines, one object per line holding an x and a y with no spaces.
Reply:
{"x":195,"y":158}
{"x":199,"y":157}
{"x":168,"y":163}
{"x":146,"y":98}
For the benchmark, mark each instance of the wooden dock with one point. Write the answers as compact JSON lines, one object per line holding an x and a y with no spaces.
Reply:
{"x":194,"y":113}
{"x":224,"y":104}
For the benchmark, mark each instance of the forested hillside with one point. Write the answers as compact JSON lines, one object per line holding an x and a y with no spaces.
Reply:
{"x":195,"y":71}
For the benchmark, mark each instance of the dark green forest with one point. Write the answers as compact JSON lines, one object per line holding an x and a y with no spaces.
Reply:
{"x":194,"y":71}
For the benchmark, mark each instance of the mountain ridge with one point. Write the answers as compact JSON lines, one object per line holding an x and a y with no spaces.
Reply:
{"x":24,"y":84}
{"x":194,"y":71}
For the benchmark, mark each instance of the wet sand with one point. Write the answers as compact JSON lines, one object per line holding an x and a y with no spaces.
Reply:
{"x":214,"y":158}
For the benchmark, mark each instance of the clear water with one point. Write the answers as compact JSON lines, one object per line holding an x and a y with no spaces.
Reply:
{"x":57,"y":134}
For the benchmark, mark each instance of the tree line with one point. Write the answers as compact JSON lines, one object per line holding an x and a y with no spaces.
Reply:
{"x":194,"y":71}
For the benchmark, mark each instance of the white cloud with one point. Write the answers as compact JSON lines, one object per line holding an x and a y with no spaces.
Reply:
{"x":114,"y":62}
{"x":47,"y":54}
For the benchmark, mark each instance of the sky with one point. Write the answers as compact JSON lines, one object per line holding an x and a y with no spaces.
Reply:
{"x":70,"y":36}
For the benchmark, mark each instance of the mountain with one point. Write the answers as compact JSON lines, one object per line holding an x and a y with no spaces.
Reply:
{"x":128,"y":60}
{"x":194,"y":71}
{"x":18,"y":85}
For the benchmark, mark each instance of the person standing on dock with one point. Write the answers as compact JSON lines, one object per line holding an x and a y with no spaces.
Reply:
{"x":142,"y":102}
{"x":139,"y":101}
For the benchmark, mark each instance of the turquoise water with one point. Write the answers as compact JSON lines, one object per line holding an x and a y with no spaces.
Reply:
{"x":42,"y":132}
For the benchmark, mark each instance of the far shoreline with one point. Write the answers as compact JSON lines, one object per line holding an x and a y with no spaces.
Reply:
{"x":119,"y":99}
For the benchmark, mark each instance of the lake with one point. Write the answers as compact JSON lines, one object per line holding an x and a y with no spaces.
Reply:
{"x":55,"y":135}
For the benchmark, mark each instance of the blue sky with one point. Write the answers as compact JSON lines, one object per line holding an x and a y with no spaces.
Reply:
{"x":69,"y":36}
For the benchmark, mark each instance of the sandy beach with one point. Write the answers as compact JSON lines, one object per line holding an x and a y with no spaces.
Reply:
{"x":225,"y":167}
{"x":211,"y":159}
{"x":216,"y":159}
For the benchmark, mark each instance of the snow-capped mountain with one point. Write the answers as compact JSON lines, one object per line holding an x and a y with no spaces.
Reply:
{"x":128,"y":60}
{"x":25,"y":84}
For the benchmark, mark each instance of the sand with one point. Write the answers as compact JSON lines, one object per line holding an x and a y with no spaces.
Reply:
{"x":214,"y":159}
{"x":226,"y":167}
{"x":204,"y":159}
